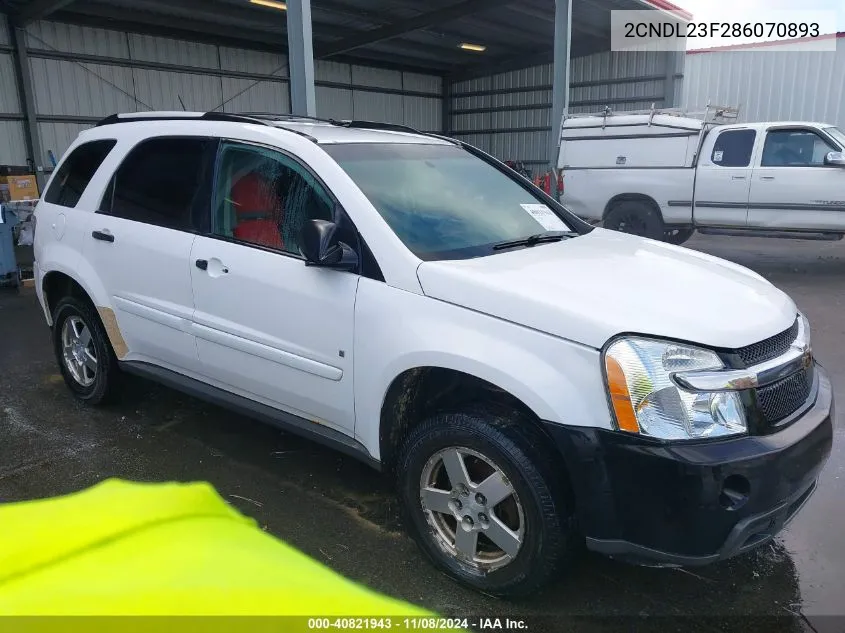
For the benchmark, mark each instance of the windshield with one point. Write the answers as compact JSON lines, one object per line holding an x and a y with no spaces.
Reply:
{"x":443,"y":202}
{"x":837,"y":135}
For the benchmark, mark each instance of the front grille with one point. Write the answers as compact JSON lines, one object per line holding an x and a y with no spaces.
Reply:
{"x":782,"y":398}
{"x":768,"y":349}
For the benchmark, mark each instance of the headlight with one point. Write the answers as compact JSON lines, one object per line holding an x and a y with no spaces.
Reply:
{"x":645,"y":400}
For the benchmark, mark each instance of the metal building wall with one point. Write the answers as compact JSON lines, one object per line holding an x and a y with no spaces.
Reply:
{"x":770,"y":84}
{"x":509,"y":114}
{"x":81,"y":74}
{"x":346,"y":91}
{"x":12,"y":144}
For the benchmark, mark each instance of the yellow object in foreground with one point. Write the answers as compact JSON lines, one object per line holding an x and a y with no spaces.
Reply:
{"x":163,"y":549}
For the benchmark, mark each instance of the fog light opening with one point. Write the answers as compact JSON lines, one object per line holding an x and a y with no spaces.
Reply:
{"x":735,"y":492}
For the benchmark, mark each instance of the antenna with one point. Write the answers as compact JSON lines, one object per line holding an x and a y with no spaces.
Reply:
{"x":182,"y":103}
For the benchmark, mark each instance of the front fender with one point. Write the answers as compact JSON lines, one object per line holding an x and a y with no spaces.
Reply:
{"x":558,"y":380}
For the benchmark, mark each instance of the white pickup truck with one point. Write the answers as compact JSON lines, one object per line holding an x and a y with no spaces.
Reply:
{"x":663,"y":175}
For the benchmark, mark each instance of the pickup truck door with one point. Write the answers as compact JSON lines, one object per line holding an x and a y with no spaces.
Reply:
{"x":723,"y":178}
{"x":793,"y":188}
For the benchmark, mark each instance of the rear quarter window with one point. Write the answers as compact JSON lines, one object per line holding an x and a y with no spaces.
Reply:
{"x":76,"y":172}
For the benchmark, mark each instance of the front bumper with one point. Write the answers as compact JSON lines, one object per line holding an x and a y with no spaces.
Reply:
{"x":694,"y":503}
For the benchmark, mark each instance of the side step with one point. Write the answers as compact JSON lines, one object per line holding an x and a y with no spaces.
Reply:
{"x":784,"y":235}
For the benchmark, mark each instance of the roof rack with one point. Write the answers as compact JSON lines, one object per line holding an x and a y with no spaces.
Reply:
{"x":710,"y":114}
{"x":199,"y":116}
{"x":264,"y":118}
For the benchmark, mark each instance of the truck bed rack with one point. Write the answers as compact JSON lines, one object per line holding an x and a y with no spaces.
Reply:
{"x":710,"y":114}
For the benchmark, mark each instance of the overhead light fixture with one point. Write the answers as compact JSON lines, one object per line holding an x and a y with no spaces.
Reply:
{"x":478,"y":48}
{"x":273,"y":4}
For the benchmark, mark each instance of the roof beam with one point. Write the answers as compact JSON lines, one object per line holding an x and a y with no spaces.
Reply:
{"x":395,"y":29}
{"x":38,"y":9}
{"x":524,"y":59}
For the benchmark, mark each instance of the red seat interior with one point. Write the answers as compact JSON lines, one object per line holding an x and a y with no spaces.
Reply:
{"x":259,"y":211}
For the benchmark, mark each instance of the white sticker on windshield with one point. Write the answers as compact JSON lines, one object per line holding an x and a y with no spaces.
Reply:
{"x":545,"y":216}
{"x":717,"y":156}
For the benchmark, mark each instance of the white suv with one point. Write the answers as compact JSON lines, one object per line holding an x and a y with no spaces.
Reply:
{"x":530,"y":382}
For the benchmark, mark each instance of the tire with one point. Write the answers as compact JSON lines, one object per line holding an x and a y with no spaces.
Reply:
{"x":538,"y":510}
{"x":635,"y":217}
{"x":677,"y":236}
{"x":96,"y":385}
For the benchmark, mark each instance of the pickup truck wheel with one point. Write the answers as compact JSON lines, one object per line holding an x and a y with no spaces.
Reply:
{"x":83,"y":351}
{"x":635,"y":217}
{"x":484,"y":500}
{"x":677,"y":236}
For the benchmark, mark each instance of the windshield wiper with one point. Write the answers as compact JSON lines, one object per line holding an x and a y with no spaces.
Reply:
{"x":533,"y":240}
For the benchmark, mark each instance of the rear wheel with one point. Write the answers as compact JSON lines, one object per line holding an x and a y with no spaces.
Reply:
{"x":83,"y":351}
{"x":677,"y":236}
{"x":485,"y":502}
{"x":635,"y":217}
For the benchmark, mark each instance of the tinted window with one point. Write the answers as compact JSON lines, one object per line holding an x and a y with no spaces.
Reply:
{"x":794,"y":148}
{"x":733,"y":148}
{"x":264,"y":197}
{"x":443,"y":202}
{"x":160,"y":182}
{"x":76,"y":172}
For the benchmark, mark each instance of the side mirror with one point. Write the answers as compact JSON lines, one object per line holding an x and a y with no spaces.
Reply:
{"x":835,"y":159}
{"x":320,"y":245}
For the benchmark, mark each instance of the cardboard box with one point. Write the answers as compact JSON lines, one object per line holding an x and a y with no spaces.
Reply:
{"x":19,"y":187}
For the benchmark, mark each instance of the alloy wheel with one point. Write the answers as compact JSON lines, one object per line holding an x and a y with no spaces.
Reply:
{"x":78,"y":351}
{"x":472,"y":508}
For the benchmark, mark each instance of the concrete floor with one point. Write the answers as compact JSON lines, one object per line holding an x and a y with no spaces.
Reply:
{"x":343,"y":514}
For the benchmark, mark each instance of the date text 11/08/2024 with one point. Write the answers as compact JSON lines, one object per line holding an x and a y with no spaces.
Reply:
{"x":419,"y":624}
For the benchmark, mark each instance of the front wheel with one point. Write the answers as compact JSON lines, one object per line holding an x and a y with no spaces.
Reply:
{"x":485,"y":501}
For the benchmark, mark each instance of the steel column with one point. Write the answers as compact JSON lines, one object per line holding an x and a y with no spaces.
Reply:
{"x":560,"y":79}
{"x":26,"y":95}
{"x":669,"y":85}
{"x":301,"y":58}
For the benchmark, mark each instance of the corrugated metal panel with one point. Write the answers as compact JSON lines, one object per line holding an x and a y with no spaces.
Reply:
{"x":533,"y":145}
{"x":525,"y":146}
{"x":332,"y":71}
{"x":475,"y":121}
{"x":377,"y":77}
{"x":770,"y":85}
{"x":377,"y":106}
{"x":423,"y":113}
{"x":58,"y":137}
{"x":71,"y":38}
{"x":246,"y":61}
{"x":473,"y":85}
{"x":9,"y":102}
{"x":423,"y":83}
{"x":4,"y":30}
{"x":13,"y":146}
{"x":161,"y":90}
{"x":81,"y":89}
{"x":334,"y":103}
{"x":248,"y":96}
{"x":161,"y":49}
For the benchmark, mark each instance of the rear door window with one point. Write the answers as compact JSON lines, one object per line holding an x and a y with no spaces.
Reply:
{"x":163,"y":181}
{"x":733,"y":148}
{"x":76,"y":172}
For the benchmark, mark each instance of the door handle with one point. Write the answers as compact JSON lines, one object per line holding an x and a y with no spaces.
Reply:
{"x":737,"y":177}
{"x":215,"y":269}
{"x":103,"y":236}
{"x":767,"y":177}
